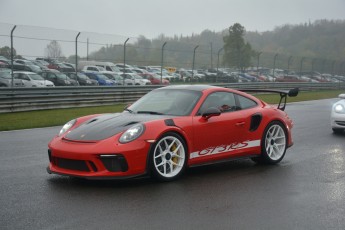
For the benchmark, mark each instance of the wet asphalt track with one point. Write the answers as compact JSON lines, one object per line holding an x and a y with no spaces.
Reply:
{"x":305,"y":191}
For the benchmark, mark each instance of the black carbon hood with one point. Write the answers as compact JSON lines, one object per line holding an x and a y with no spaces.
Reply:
{"x":107,"y":125}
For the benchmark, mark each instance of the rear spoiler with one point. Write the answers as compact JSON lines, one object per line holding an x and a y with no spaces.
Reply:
{"x":283,"y":94}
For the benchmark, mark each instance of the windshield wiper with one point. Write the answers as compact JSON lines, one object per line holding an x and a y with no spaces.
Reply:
{"x":151,"y":112}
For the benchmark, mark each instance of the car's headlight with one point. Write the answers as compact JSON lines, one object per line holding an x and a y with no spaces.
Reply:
{"x":132,"y":133}
{"x":67,"y":126}
{"x":339,"y":108}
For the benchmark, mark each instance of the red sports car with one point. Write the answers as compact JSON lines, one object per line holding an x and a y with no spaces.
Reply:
{"x":170,"y":129}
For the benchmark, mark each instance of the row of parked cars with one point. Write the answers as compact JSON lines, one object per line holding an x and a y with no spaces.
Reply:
{"x":49,"y":72}
{"x":53,"y":73}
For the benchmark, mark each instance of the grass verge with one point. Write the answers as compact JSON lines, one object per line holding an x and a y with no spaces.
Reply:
{"x":47,"y":118}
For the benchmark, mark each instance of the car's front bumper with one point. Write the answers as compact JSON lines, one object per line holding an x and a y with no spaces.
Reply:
{"x":338,"y":120}
{"x":101,"y":160}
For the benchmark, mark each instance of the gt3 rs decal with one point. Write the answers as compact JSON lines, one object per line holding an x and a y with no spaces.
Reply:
{"x":225,"y":148}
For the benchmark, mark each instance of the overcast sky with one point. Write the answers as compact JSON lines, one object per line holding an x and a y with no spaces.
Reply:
{"x":171,"y":17}
{"x":150,"y":18}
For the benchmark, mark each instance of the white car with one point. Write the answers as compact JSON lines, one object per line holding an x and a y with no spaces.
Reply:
{"x":31,"y":79}
{"x":138,"y":80}
{"x":338,"y":115}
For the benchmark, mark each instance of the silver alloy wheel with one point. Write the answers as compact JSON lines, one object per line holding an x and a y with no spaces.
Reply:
{"x":169,"y":156}
{"x":275,"y":142}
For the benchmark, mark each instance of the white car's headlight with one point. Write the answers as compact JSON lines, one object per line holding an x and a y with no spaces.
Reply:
{"x":339,"y":108}
{"x":132,"y":133}
{"x":67,"y":126}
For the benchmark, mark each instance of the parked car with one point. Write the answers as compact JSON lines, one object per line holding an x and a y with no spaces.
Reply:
{"x":108,"y":66}
{"x":156,"y":79}
{"x":31,"y":79}
{"x":82,"y":79}
{"x":338,"y":115}
{"x":40,"y":64}
{"x":136,"y":78}
{"x":119,"y":79}
{"x":59,"y":79}
{"x":170,"y":129}
{"x":6,"y":79}
{"x":100,"y":78}
{"x":60,"y":67}
{"x":28,"y":64}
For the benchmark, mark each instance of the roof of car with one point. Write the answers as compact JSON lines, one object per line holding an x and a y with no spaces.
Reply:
{"x":190,"y":87}
{"x":26,"y":72}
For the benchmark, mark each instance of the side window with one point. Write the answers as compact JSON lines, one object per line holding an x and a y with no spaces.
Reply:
{"x":223,"y":101}
{"x":108,"y":68}
{"x":246,"y":103}
{"x":16,"y":75}
{"x":24,"y":77}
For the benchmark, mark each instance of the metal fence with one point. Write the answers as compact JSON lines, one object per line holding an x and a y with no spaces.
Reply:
{"x":31,"y":42}
{"x":28,"y":99}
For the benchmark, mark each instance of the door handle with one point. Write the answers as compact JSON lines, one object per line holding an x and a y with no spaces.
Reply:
{"x":240,"y":123}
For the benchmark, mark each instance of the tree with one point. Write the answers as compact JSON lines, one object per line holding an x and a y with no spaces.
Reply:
{"x":6,"y":52}
{"x":237,"y":52}
{"x":53,"y":50}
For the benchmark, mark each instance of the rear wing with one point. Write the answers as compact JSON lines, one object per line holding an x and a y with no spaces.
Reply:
{"x":283,"y":94}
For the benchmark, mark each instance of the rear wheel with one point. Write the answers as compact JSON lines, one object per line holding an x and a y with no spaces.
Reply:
{"x":168,"y":157}
{"x":273,"y":144}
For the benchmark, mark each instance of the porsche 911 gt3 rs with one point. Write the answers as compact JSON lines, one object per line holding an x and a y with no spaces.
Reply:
{"x":170,"y":129}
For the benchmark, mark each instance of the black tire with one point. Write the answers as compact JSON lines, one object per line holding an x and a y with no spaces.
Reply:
{"x":273,"y":144}
{"x":168,"y":157}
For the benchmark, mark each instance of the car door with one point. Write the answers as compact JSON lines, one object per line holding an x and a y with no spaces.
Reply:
{"x":218,"y":137}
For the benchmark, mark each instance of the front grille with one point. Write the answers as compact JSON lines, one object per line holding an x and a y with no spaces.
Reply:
{"x":77,"y":165}
{"x":114,"y":163}
{"x":342,"y":123}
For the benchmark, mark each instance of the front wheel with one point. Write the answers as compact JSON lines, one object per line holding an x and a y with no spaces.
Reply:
{"x":273,"y":144}
{"x":168,"y":157}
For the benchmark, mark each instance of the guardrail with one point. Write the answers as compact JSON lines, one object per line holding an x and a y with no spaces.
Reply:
{"x":28,"y":99}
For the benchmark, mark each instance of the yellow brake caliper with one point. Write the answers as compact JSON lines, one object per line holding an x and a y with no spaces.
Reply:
{"x":174,"y":158}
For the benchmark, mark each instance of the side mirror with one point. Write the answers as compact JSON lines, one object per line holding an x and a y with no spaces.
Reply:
{"x":342,"y":96}
{"x":211,"y":112}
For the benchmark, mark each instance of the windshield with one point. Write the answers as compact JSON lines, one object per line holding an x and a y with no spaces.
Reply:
{"x":5,"y":75}
{"x":114,"y":69}
{"x":176,"y":102}
{"x":36,"y":77}
{"x":83,"y":76}
{"x":62,"y":76}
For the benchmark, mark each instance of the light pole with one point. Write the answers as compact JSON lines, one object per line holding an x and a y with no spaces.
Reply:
{"x":274,"y":64}
{"x":124,"y":60}
{"x":162,"y":62}
{"x":12,"y":54}
{"x":211,"y":55}
{"x":257,"y":66}
{"x":220,"y":50}
{"x":194,"y":61}
{"x":289,"y":61}
{"x":300,"y":69}
{"x":76,"y":53}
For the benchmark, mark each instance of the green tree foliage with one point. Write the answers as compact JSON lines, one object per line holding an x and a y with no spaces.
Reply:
{"x":321,"y":43}
{"x":237,"y":52}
